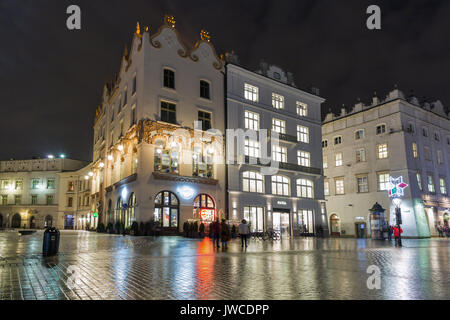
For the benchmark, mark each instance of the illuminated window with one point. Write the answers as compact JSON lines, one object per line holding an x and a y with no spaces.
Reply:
{"x":35,"y":184}
{"x":279,"y":126}
{"x":167,"y":158}
{"x":338,"y":159}
{"x":326,"y":187}
{"x":304,"y":188}
{"x":251,"y":120}
{"x":339,"y":185}
{"x":383,"y":181}
{"x":302,"y":109}
{"x":255,"y":218}
{"x":167,"y":209}
{"x":325,"y":162}
{"x":280,"y":185}
{"x":419,"y":181}
{"x":19,"y":184}
{"x":440,"y":158}
{"x":202,"y":160}
{"x":205,"y":90}
{"x":49,"y":200}
{"x":430,"y":184}
{"x":50,"y":183}
{"x":415,"y":151}
{"x":443,"y":185}
{"x":302,"y":134}
{"x":251,"y":92}
{"x":252,"y":182}
{"x":306,"y":221}
{"x":5,"y":184}
{"x":4,"y":200}
{"x":279,"y":154}
{"x":168,"y":112}
{"x":169,"y":79}
{"x":17,"y":199}
{"x":277,"y":101}
{"x":361,"y":155}
{"x":303,"y":158}
{"x":382,"y":151}
{"x":362,"y":183}
{"x":251,"y":148}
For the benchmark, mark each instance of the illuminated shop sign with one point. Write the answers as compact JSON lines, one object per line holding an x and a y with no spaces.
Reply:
{"x":95,"y":214}
{"x":207,"y":215}
{"x":186,"y":192}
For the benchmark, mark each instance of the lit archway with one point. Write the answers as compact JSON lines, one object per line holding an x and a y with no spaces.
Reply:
{"x":335,"y":225}
{"x":131,"y":214}
{"x":167,"y":210}
{"x":16,"y":221}
{"x":205,"y":208}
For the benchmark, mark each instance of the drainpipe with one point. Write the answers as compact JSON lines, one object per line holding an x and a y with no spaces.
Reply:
{"x":225,"y":104}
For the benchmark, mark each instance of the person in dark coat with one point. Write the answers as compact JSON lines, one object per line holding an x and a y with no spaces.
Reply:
{"x":390,"y":231}
{"x":216,"y":233}
{"x":224,"y":234}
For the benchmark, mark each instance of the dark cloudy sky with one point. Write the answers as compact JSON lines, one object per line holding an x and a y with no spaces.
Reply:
{"x":51,"y":78}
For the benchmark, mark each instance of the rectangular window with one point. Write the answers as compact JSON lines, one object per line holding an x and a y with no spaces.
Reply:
{"x":324,"y":143}
{"x":362,"y":183}
{"x":279,"y":154}
{"x":17,"y":199}
{"x":251,"y":120}
{"x":251,"y":92}
{"x":381,"y":129}
{"x":168,"y":112}
{"x":338,"y":159}
{"x":50,"y":183}
{"x":339,"y":184}
{"x":359,"y":134}
{"x":49,"y":200}
{"x":306,"y":221}
{"x":205,"y":90}
{"x":169,"y":79}
{"x":383,"y":181}
{"x":302,"y":109}
{"x":205,"y":118}
{"x":4,"y":200}
{"x":325,"y":162}
{"x":71,"y":186}
{"x":34,"y":199}
{"x":430,"y":184}
{"x":305,"y":188}
{"x":251,"y":148}
{"x":252,"y":182}
{"x":419,"y":181}
{"x":302,"y":134}
{"x":337,"y":140}
{"x":437,"y":137}
{"x":382,"y":151}
{"x":280,"y":185}
{"x":121,"y":128}
{"x":361,"y":155}
{"x":427,"y":153}
{"x":255,"y":218}
{"x":134,"y":86}
{"x":415,"y":151}
{"x":304,"y":158}
{"x":277,"y":101}
{"x":19,"y":184}
{"x":35,"y":183}
{"x":125,"y":97}
{"x":133,"y":115}
{"x":279,"y":126}
{"x":440,"y":158}
{"x":70,"y":202}
{"x":443,"y":185}
{"x":425,"y":132}
{"x":326,"y":187}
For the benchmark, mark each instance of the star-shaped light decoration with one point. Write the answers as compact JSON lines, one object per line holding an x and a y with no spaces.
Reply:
{"x":396,"y":187}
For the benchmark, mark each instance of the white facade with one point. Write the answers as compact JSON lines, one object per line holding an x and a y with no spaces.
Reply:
{"x":397,"y":136}
{"x":268,"y":99}
{"x":135,"y":155}
{"x":29,"y":192}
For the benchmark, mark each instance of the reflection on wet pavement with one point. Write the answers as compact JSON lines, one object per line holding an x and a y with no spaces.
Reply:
{"x":117,"y":267}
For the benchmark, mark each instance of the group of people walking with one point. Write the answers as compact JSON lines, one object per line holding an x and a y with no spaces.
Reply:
{"x":395,"y":231}
{"x":221,"y":233}
{"x":443,"y":231}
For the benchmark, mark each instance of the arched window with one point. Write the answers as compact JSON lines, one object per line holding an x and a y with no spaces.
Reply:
{"x":205,"y":208}
{"x":335,"y":226}
{"x":118,"y":211}
{"x":252,"y":181}
{"x":131,"y":214}
{"x":167,"y":157}
{"x":304,"y":188}
{"x":280,"y":185}
{"x":167,"y":209}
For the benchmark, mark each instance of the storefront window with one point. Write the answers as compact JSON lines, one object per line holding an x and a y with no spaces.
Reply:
{"x":306,"y":221}
{"x":205,"y":208}
{"x":255,"y":216}
{"x":131,"y":216}
{"x":167,"y":210}
{"x":202,"y":160}
{"x":167,"y":157}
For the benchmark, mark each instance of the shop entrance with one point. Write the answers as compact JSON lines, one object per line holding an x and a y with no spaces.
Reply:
{"x":167,"y":211}
{"x":335,"y":225}
{"x":360,"y":230}
{"x":281,"y":222}
{"x":16,"y":221}
{"x":69,"y":222}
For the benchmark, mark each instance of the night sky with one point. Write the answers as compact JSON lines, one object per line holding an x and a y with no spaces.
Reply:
{"x":51,"y":79}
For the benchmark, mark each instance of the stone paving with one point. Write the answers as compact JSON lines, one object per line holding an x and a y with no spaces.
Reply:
{"x":113,"y":267}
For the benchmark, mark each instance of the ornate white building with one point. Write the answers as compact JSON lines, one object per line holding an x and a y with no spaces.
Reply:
{"x":396,"y":136}
{"x":150,"y":164}
{"x":29,"y":192}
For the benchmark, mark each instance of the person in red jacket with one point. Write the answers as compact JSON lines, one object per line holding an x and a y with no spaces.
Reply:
{"x":397,"y":232}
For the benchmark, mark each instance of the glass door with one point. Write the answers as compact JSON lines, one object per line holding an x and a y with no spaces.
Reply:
{"x":277,"y":221}
{"x":285,"y":224}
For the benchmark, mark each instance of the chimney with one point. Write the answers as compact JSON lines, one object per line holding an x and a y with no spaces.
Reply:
{"x":315,"y":91}
{"x":343,"y":111}
{"x":375,"y":99}
{"x":264,"y":67}
{"x":290,"y":79}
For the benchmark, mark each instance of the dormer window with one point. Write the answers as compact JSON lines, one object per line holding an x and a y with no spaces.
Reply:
{"x":276,"y":76}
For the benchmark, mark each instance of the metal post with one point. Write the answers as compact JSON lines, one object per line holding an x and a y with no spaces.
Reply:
{"x":398,"y":213}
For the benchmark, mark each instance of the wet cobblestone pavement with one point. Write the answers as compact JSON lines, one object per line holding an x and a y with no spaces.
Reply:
{"x":116,"y":267}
